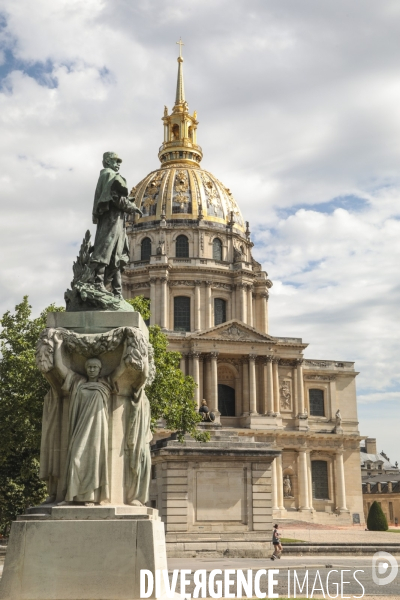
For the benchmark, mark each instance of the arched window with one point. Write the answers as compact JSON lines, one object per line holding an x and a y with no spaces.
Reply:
{"x":182,"y":247}
{"x":217,"y":249}
{"x":320,"y":488}
{"x":145,"y":249}
{"x":317,"y":405}
{"x":175,"y":132}
{"x":181,"y":313}
{"x":219,"y":311}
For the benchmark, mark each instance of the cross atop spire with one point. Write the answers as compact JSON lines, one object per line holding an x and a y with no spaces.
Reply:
{"x":180,"y":47}
{"x":180,"y":90}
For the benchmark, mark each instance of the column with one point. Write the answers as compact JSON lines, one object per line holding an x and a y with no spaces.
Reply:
{"x":214,"y":380}
{"x":309,"y":477}
{"x":234,"y":314}
{"x":245,"y":389}
{"x":274,"y":486}
{"x":250,"y":305}
{"x":207,"y":380}
{"x":264,"y":311}
{"x":264,"y":401}
{"x":163,"y":316}
{"x":197,"y":313}
{"x":270,"y":388}
{"x":238,"y":394}
{"x":340,"y":483}
{"x":279,"y":477}
{"x":303,"y":480}
{"x":252,"y":384}
{"x":295,"y":394}
{"x":242,"y":302}
{"x":182,"y":365}
{"x":153,"y":281}
{"x":275,"y":363}
{"x":196,"y":376}
{"x":208,"y":306}
{"x":300,"y":387}
{"x":201,"y":369}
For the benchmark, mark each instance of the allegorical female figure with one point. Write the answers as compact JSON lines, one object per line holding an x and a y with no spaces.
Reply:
{"x":75,"y":441}
{"x":87,"y":476}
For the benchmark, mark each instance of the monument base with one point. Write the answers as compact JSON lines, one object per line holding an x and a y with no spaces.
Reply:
{"x":81,"y":553}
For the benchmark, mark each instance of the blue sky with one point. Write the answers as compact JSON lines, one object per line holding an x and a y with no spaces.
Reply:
{"x":299,"y":110}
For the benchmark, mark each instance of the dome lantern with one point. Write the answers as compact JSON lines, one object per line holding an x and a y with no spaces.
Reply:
{"x":180,"y":128}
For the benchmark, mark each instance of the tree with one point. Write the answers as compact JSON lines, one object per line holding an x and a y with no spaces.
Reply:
{"x":376,"y":520}
{"x":22,"y":389}
{"x":171,"y":393}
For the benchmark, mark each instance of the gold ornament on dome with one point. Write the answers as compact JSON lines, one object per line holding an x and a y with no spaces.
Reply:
{"x":149,"y":201}
{"x":181,"y":182}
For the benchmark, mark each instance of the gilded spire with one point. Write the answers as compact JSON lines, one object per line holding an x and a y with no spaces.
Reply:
{"x":180,"y":128}
{"x":180,"y":90}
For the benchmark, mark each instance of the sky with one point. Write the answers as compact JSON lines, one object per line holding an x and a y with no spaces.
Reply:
{"x":299,"y":110}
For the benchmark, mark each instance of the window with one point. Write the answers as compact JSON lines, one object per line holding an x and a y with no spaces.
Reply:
{"x":391,"y":511}
{"x":145,"y":249}
{"x":182,"y":247}
{"x":319,"y":470}
{"x":217,"y":249}
{"x":181,"y":313}
{"x":317,"y":408}
{"x":175,"y":132}
{"x":219,"y":311}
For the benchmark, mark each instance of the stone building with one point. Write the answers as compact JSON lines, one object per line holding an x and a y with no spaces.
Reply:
{"x":380,"y":481}
{"x":192,"y":257}
{"x":385,"y":489}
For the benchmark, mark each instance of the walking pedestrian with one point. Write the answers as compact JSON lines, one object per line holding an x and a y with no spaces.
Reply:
{"x":276,"y":543}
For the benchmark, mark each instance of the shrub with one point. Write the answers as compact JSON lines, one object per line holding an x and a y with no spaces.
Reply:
{"x":376,"y":520}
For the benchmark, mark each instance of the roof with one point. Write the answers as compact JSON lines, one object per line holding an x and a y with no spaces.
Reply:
{"x":374,"y":458}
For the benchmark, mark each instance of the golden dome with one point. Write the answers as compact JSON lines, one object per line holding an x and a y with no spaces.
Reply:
{"x":181,"y":191}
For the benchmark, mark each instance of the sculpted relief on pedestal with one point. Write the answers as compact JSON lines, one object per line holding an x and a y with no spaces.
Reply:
{"x":96,"y":415}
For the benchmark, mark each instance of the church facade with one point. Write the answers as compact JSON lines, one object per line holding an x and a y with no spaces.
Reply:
{"x":192,"y":257}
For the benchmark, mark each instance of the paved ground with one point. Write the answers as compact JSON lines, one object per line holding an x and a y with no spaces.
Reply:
{"x":288,"y":565}
{"x":353,"y":534}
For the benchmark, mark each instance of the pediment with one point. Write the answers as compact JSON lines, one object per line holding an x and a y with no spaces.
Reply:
{"x":234,"y":330}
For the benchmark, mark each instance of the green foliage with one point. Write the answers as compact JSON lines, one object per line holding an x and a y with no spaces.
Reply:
{"x":376,"y":520}
{"x":171,"y":393}
{"x":142,"y":305}
{"x":22,"y":389}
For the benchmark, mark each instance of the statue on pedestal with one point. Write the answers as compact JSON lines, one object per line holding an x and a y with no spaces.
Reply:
{"x":338,"y":422}
{"x":101,"y":265}
{"x":207,"y":415}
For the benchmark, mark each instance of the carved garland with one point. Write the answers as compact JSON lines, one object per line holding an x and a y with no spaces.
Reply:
{"x":91,"y":345}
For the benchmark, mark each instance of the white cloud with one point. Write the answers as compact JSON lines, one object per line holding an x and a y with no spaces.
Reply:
{"x":299,"y":104}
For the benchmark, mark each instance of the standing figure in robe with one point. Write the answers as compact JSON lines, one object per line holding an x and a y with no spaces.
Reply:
{"x":87,"y":477}
{"x":75,"y":450}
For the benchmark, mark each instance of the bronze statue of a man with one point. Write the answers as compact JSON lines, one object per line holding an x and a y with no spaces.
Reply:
{"x":111,"y":203}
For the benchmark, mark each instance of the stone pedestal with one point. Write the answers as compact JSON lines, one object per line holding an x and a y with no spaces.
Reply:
{"x":215,"y":497}
{"x":82,"y":553}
